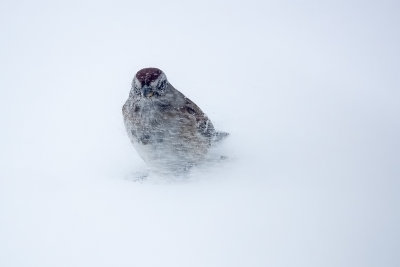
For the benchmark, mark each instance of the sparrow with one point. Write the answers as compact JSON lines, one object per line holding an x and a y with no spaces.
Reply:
{"x":168,"y":130}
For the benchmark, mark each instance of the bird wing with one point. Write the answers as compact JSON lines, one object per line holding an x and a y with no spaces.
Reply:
{"x":204,"y":125}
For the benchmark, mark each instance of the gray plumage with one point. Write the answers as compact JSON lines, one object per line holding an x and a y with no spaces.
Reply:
{"x":167,"y":129}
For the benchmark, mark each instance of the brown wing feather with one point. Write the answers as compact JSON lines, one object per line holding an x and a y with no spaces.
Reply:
{"x":204,"y":125}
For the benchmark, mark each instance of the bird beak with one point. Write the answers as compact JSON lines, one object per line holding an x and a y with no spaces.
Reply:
{"x":147,"y":92}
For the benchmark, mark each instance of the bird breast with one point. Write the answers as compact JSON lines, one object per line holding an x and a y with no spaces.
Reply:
{"x":163,"y":136}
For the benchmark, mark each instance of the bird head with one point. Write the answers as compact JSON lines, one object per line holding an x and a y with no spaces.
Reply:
{"x":149,"y":83}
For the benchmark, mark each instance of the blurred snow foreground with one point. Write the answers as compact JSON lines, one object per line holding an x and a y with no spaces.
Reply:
{"x":215,"y":158}
{"x":308,"y":91}
{"x":210,"y":163}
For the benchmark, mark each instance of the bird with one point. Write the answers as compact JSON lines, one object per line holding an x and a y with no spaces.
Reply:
{"x":168,"y":130}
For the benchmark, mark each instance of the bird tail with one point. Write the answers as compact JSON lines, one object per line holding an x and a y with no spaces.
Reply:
{"x":219,"y":136}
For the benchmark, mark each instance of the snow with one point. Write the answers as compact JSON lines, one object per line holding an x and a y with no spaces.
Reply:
{"x":308,"y":91}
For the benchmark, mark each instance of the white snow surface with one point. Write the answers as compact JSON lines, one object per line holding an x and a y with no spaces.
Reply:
{"x":309,"y":91}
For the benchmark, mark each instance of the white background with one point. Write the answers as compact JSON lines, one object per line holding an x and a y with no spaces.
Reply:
{"x":309,"y":91}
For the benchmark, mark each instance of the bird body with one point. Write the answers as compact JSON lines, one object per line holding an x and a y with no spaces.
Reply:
{"x":167,"y":129}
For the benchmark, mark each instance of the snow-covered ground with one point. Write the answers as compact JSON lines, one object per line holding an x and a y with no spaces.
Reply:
{"x":309,"y":91}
